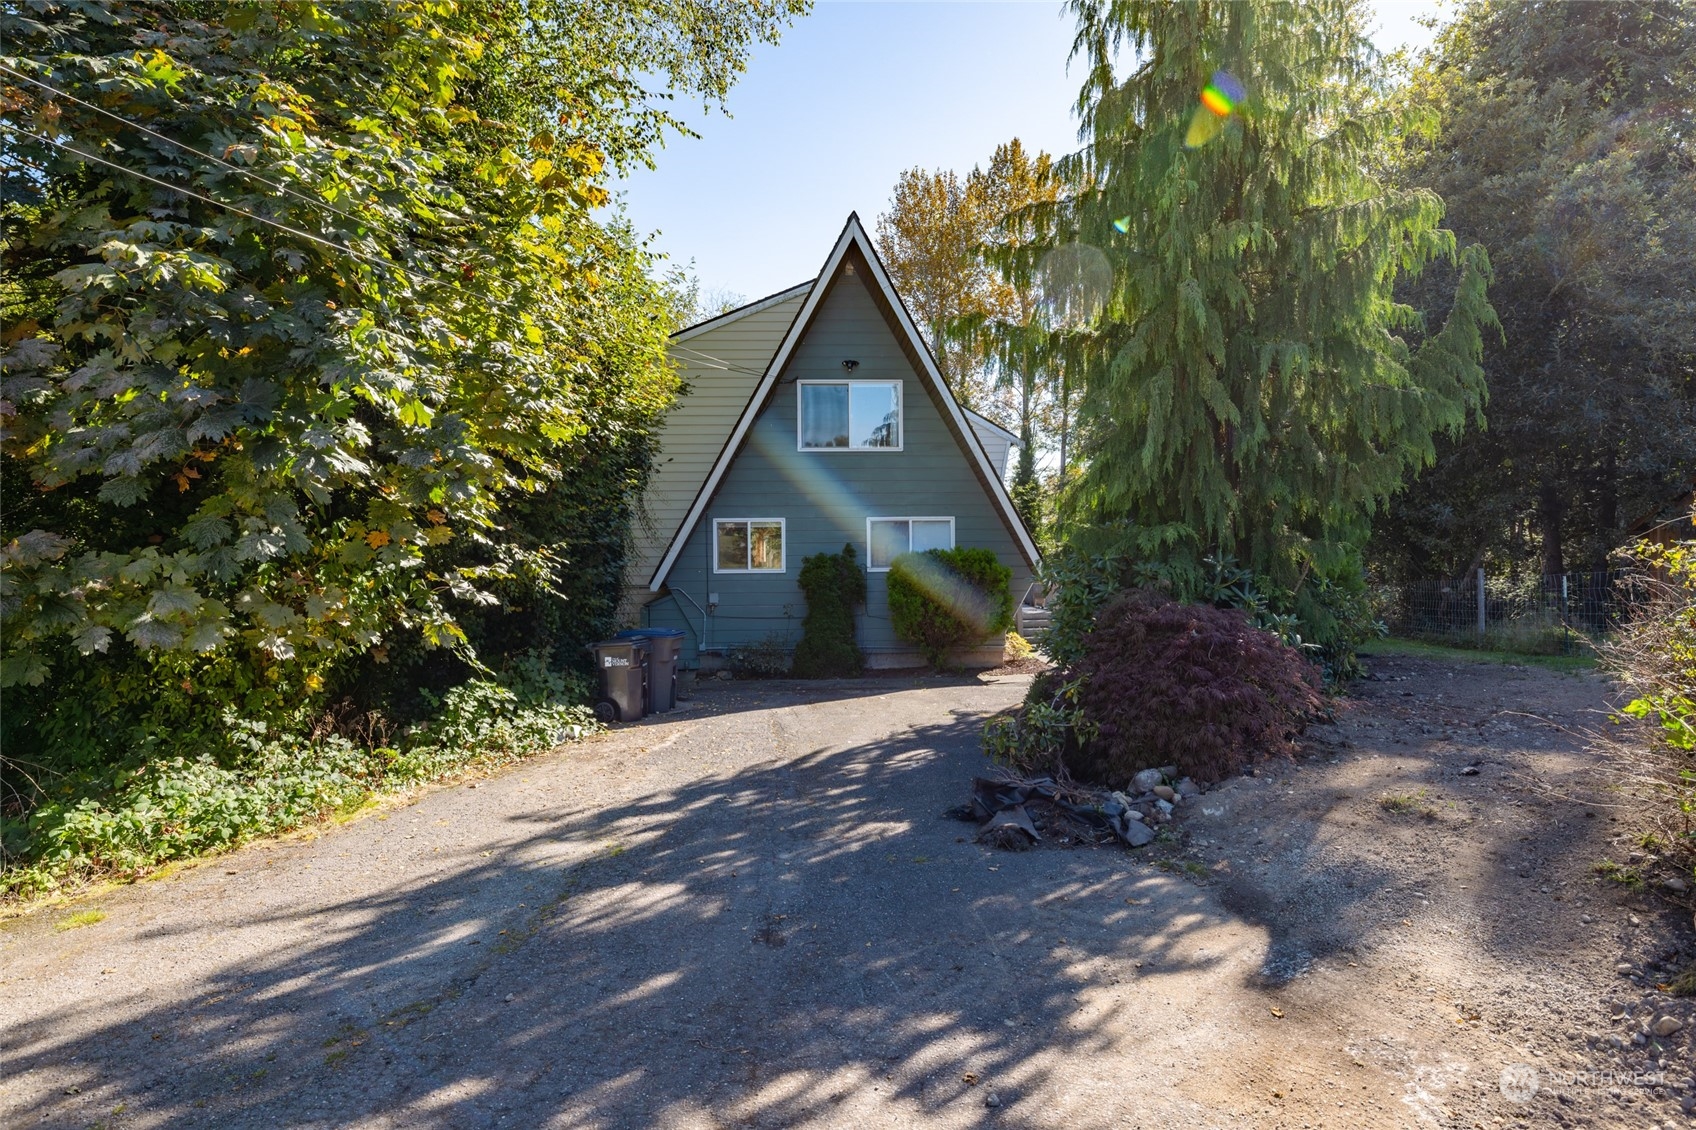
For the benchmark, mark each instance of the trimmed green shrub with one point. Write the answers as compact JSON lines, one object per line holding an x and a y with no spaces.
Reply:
{"x":942,"y":599}
{"x":834,"y":585}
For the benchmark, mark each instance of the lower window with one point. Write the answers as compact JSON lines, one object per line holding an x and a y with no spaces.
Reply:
{"x":889,"y":538}
{"x":748,"y":545}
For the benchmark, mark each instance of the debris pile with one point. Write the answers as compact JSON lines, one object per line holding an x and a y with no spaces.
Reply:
{"x":1014,"y":813}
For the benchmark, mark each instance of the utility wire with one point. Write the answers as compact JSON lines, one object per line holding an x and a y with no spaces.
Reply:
{"x":135,"y":125}
{"x":704,"y":359}
{"x":708,"y":361}
{"x":331,"y":244}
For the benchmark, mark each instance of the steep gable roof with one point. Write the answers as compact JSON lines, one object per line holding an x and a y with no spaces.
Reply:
{"x":719,"y":320}
{"x":720,"y":362}
{"x":854,"y":252}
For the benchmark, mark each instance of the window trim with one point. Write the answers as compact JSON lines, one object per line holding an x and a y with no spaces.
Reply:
{"x":900,"y":413}
{"x":782,"y":545}
{"x":953,"y":538}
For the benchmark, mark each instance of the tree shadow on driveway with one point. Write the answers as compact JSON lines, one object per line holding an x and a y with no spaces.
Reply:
{"x":791,"y":941}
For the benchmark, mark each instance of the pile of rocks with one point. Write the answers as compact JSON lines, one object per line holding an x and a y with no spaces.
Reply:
{"x":1152,"y":798}
{"x":1015,"y":813}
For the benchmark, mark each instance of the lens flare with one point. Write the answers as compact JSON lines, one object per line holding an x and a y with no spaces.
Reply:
{"x":812,"y":479}
{"x":1219,"y":100}
{"x":1076,"y":282}
{"x":1122,"y":225}
{"x":952,"y":592}
{"x":1222,"y":93}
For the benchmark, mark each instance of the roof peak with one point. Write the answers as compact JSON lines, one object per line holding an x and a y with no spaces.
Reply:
{"x":853,"y":232}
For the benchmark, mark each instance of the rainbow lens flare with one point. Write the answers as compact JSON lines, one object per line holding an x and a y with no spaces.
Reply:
{"x":1219,"y":100}
{"x":1122,"y":225}
{"x":1222,"y":93}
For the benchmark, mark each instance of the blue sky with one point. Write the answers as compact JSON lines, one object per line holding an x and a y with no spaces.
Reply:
{"x":823,"y":123}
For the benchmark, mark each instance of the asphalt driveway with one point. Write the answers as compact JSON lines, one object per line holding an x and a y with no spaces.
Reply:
{"x":752,"y":913}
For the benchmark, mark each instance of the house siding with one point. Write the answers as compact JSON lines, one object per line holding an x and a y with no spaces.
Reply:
{"x":694,"y":431}
{"x":826,"y":497}
{"x":996,"y":445}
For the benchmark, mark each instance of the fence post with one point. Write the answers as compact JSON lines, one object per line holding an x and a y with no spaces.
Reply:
{"x":1566,"y":618}
{"x":1481,"y":612}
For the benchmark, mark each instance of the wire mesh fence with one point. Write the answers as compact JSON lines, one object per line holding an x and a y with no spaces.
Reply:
{"x":1558,"y":614}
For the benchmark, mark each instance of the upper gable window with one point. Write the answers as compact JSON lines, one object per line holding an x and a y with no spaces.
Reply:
{"x":849,"y":415}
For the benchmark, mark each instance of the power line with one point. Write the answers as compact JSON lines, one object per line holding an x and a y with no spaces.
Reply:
{"x":704,"y":359}
{"x":331,"y":244}
{"x":282,"y":188}
{"x":708,"y":361}
{"x":228,"y":267}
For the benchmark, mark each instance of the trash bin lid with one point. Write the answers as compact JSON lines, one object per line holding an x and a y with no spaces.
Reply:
{"x":649,"y":633}
{"x":637,"y":643}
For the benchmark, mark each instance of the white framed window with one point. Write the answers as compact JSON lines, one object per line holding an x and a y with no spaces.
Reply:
{"x":848,"y":416}
{"x":889,"y":538}
{"x":748,"y":545}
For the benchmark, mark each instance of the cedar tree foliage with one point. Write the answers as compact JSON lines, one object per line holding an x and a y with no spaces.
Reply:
{"x":1250,"y":389}
{"x":1564,"y":145}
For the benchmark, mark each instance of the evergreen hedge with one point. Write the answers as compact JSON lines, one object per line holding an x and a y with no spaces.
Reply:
{"x":834,"y":585}
{"x":942,"y":599}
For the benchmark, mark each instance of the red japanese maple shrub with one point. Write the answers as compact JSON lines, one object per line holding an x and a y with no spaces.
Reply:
{"x":1190,"y":685}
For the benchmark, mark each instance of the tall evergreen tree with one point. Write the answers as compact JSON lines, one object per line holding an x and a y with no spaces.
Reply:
{"x":1014,"y":328}
{"x":1564,"y":146}
{"x":1250,"y":388}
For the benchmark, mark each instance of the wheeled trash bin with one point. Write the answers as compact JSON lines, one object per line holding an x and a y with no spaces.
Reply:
{"x":623,"y":666}
{"x":664,"y":646}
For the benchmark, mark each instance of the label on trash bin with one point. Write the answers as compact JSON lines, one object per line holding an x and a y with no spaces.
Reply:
{"x":615,"y":661}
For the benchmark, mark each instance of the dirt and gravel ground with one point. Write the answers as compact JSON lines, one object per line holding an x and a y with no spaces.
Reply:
{"x":752,"y":914}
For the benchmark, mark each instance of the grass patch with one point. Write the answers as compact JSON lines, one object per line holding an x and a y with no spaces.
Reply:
{"x":1684,"y":985}
{"x":1618,"y":873}
{"x":353,"y":809}
{"x":1184,"y":867}
{"x":80,"y":919}
{"x":1407,"y":804}
{"x":1420,"y":649}
{"x":401,"y":1017}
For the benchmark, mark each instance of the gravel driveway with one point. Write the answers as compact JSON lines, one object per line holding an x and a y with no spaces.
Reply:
{"x":752,"y":914}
